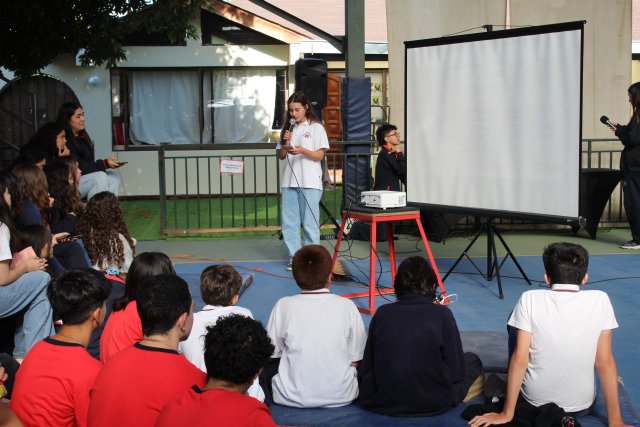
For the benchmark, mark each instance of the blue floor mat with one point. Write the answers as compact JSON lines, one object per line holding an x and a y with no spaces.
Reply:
{"x":478,"y":307}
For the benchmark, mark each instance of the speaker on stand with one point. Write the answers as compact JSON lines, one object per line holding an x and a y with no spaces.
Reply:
{"x":311,"y":78}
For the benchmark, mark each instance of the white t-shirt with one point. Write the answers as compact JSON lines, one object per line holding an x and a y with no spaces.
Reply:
{"x":193,"y":347}
{"x":299,"y":170}
{"x":5,"y":238}
{"x":565,"y":324}
{"x":128,"y":257}
{"x":316,"y":335}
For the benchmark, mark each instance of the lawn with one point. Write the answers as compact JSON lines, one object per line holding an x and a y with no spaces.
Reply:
{"x":238,"y":215}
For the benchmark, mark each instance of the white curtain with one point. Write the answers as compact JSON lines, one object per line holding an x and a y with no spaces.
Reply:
{"x":164,"y":107}
{"x":242,"y":105}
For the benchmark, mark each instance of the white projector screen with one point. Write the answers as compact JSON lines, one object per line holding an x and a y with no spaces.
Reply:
{"x":493,"y":122}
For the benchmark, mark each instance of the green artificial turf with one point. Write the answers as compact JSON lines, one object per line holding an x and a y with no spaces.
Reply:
{"x":185,"y":216}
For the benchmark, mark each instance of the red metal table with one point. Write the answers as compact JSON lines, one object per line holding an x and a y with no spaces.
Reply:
{"x":373,"y":217}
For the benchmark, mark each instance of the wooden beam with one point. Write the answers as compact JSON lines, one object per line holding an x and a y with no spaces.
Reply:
{"x":249,"y":20}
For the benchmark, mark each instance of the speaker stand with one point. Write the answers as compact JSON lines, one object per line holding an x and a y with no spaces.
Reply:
{"x":493,"y":266}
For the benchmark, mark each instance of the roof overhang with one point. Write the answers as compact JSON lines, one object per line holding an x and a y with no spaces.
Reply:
{"x":248,"y":19}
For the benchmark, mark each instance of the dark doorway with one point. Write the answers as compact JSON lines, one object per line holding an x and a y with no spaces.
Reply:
{"x":25,"y":105}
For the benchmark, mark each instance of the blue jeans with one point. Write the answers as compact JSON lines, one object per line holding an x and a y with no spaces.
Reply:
{"x":29,"y":294}
{"x":97,"y":182}
{"x":300,"y":206}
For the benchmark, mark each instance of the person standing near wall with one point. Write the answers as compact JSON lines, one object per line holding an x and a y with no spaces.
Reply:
{"x":303,"y":142}
{"x":629,"y":135}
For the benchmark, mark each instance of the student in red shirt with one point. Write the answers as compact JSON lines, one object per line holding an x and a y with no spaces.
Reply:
{"x":123,"y":327}
{"x":136,"y":383}
{"x":235,"y":349}
{"x":52,"y":384}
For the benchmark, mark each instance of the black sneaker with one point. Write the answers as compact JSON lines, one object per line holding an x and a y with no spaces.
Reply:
{"x":631,"y":244}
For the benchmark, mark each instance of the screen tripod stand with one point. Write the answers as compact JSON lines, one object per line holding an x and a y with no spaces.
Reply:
{"x":493,"y":266}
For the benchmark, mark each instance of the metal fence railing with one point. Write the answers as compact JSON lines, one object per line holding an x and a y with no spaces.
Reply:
{"x":230,"y":193}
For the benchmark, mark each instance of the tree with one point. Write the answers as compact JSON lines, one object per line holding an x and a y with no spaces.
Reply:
{"x":35,"y":33}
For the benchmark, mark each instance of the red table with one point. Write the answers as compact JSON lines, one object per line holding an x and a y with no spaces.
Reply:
{"x":373,"y":217}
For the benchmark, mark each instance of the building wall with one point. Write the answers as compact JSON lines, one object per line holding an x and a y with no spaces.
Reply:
{"x":607,"y":44}
{"x":140,"y":176}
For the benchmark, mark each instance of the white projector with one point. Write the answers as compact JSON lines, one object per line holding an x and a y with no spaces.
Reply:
{"x":384,"y":199}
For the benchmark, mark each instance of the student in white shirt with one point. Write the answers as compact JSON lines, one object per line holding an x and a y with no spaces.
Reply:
{"x":318,"y":336}
{"x":563,"y":333}
{"x":302,"y":147}
{"x":219,"y":286}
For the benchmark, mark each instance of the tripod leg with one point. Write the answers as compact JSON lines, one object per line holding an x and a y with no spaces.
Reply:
{"x":463,"y":254}
{"x":329,"y":214}
{"x":492,"y":243}
{"x":337,"y":249}
{"x":513,"y":257}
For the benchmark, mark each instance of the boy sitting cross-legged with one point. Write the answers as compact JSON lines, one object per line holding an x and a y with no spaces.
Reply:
{"x":219,"y":286}
{"x":319,"y":338}
{"x":563,"y":333}
{"x":236,"y":348}
{"x":52,"y":385}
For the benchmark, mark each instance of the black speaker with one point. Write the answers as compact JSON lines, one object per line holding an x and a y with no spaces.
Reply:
{"x":311,"y":78}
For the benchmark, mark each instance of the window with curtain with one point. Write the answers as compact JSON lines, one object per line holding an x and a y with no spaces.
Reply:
{"x":222,"y":106}
{"x":241,"y":107}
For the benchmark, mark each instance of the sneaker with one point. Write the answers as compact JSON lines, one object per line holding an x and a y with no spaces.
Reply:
{"x":631,"y":244}
{"x":290,"y":265}
{"x":348,"y":225}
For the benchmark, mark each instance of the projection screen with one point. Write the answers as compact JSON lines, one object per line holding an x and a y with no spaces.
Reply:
{"x":493,"y":122}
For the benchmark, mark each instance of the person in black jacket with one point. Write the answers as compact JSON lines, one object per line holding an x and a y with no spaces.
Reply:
{"x":391,"y":167}
{"x":97,"y":175}
{"x":391,"y":170}
{"x":413,"y":363}
{"x":629,"y":135}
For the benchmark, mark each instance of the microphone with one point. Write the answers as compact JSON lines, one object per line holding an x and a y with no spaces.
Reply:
{"x":605,"y":121}
{"x":292,"y":124}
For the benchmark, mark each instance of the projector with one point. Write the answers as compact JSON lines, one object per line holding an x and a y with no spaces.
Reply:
{"x":384,"y":199}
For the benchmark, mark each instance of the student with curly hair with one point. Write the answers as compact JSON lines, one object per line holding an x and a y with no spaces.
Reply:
{"x":105,"y":234}
{"x":236,"y":348}
{"x":124,"y":327}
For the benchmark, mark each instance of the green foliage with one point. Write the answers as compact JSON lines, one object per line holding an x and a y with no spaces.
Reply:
{"x":34,"y":33}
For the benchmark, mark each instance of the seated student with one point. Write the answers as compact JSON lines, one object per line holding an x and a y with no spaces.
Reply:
{"x":23,"y":288}
{"x":391,"y":170}
{"x":66,"y":199}
{"x":430,"y":374}
{"x":123,"y":327}
{"x":318,"y":336}
{"x":105,"y":234}
{"x":562,"y":334}
{"x":10,"y":367}
{"x":32,"y":205}
{"x":219,"y":286}
{"x":137,"y":382}
{"x":52,"y":385}
{"x":236,"y":348}
{"x":39,"y":239}
{"x":7,"y":417}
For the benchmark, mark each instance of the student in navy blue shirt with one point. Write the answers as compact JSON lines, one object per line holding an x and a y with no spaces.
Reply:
{"x":413,"y":362}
